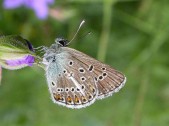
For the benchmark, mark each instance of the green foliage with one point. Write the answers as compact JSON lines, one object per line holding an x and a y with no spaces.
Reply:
{"x":130,"y":35}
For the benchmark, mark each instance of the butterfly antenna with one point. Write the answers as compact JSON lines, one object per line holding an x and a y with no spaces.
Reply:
{"x":76,"y":32}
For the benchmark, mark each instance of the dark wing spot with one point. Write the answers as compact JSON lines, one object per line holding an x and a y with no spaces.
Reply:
{"x":83,"y":78}
{"x":78,"y":89}
{"x":103,"y":68}
{"x":67,"y":89}
{"x":70,"y":63}
{"x":93,"y":90}
{"x":95,"y":78}
{"x":90,"y":97}
{"x":72,"y":89}
{"x":81,"y":70}
{"x":91,"y":68}
{"x":64,"y":71}
{"x":100,"y":77}
{"x":104,"y":74}
{"x":83,"y":87}
{"x":53,"y":83}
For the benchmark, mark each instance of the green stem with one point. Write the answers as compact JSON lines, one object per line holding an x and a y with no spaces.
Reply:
{"x":141,"y":96}
{"x":107,"y":14}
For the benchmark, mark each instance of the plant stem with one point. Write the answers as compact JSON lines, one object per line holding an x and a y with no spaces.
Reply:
{"x":104,"y":38}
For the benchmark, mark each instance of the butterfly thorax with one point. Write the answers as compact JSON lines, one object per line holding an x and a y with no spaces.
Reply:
{"x":55,"y":51}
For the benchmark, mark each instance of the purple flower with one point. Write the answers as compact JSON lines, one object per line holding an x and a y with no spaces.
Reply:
{"x":39,"y":6}
{"x":25,"y":61}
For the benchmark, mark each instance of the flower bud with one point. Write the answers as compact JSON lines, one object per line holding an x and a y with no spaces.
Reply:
{"x":16,"y":52}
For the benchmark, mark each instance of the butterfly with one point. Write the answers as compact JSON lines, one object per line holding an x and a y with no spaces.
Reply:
{"x":76,"y":80}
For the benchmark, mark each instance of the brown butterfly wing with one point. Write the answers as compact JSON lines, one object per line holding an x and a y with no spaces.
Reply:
{"x":107,"y":79}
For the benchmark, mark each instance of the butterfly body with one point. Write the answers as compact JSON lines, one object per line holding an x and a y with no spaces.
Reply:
{"x":76,"y":80}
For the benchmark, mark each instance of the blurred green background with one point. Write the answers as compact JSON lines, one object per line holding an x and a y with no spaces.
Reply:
{"x":130,"y":35}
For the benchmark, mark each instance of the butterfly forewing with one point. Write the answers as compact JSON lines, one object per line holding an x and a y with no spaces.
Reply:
{"x":107,"y":79}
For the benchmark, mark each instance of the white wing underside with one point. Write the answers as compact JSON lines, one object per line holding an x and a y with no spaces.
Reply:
{"x":76,"y":80}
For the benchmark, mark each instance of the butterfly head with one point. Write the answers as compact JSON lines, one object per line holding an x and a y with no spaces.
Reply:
{"x":61,"y":42}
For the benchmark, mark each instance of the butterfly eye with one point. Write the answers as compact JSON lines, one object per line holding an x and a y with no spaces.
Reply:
{"x":61,"y":41}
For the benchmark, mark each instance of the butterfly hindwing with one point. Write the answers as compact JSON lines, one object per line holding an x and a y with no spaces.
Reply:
{"x":70,"y":85}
